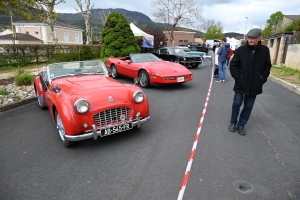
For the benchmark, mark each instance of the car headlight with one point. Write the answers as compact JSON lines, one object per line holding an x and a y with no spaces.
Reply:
{"x":184,"y":58}
{"x":138,"y":96}
{"x":81,"y":106}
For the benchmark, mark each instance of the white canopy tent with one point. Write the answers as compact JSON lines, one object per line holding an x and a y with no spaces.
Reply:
{"x":233,"y":42}
{"x":148,"y":40}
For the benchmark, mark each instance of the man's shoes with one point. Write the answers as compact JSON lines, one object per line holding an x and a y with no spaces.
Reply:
{"x":231,"y":127}
{"x":223,"y":81}
{"x":241,"y":130}
{"x":218,"y":81}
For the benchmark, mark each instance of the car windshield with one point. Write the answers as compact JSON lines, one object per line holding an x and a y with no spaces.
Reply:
{"x":144,"y":57}
{"x":63,"y":69}
{"x":186,"y":49}
{"x":177,"y":51}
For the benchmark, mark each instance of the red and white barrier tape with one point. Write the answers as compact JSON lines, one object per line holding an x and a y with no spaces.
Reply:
{"x":193,"y":152}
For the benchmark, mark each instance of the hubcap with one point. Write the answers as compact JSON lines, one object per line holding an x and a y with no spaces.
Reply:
{"x":60,"y":128}
{"x":143,"y":79}
{"x":113,"y":71}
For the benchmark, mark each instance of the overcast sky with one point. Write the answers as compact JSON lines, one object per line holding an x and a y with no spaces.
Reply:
{"x":232,"y":13}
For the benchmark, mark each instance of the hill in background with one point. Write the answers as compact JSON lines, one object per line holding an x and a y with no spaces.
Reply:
{"x":139,"y":19}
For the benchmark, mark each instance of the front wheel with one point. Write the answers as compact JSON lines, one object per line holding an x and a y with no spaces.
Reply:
{"x":144,"y":79}
{"x":177,"y":61}
{"x":40,"y":98}
{"x":114,"y":72}
{"x":61,"y":131}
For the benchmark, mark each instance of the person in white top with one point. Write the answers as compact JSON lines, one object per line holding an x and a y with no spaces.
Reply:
{"x":216,"y":72}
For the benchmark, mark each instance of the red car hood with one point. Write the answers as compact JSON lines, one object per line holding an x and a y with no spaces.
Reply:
{"x":94,"y":88}
{"x":165,"y":68}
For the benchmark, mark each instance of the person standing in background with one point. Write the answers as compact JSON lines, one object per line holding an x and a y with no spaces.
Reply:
{"x":229,"y":57}
{"x":216,"y":72}
{"x":250,"y":67}
{"x":223,"y":53}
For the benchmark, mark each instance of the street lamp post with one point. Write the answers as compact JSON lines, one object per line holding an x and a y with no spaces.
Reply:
{"x":246,"y":28}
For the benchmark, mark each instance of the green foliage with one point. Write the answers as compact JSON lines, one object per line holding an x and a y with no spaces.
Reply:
{"x":86,"y":52}
{"x":24,"y":79}
{"x":104,"y":60}
{"x":214,"y":32}
{"x":117,"y":37}
{"x":3,"y":92}
{"x":294,"y":26}
{"x":27,"y":9}
{"x":267,"y":31}
{"x":274,"y":24}
{"x":286,"y":73}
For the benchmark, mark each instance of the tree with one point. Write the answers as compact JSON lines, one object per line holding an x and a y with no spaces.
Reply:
{"x":214,"y":31}
{"x":267,"y":31}
{"x":158,"y":34}
{"x":27,"y":9}
{"x":293,"y":26}
{"x":177,"y":12}
{"x":117,"y":37}
{"x":274,"y":24}
{"x":51,"y":15}
{"x":208,"y":23}
{"x":87,"y":16}
{"x":103,"y":15}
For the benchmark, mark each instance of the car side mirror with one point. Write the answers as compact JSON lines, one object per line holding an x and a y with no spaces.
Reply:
{"x":56,"y":89}
{"x":128,"y":61}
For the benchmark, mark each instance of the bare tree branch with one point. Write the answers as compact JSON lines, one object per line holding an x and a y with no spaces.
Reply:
{"x":51,"y":15}
{"x":87,"y":16}
{"x":177,"y":12}
{"x":103,"y":15}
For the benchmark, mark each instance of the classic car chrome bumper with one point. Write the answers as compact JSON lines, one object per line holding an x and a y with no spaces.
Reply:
{"x":95,"y":134}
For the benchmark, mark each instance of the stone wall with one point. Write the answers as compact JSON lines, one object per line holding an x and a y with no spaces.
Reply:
{"x":292,"y":56}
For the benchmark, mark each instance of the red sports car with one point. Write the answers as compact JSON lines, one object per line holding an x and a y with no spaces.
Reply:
{"x":149,"y":69}
{"x":84,"y":102}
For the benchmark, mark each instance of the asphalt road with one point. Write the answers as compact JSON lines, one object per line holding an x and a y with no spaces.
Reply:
{"x":150,"y":162}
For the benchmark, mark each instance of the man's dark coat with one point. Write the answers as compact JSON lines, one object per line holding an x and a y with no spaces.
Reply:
{"x":250,"y":67}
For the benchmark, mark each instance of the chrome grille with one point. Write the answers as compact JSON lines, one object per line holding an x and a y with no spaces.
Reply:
{"x":112,"y":116}
{"x":194,"y":58}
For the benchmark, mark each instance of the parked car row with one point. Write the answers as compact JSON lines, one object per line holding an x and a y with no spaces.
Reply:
{"x":84,"y":102}
{"x":179,"y":55}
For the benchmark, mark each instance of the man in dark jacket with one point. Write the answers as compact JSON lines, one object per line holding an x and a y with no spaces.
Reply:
{"x":223,"y":53}
{"x":250,"y":68}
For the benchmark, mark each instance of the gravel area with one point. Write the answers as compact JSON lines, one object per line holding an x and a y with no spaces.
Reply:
{"x":15,"y":93}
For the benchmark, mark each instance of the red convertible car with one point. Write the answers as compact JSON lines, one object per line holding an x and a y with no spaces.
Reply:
{"x":84,"y":102}
{"x":149,"y":69}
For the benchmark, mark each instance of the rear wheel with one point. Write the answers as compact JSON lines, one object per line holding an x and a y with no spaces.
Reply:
{"x":144,"y":79}
{"x":61,"y":131}
{"x":40,"y":98}
{"x":114,"y":72}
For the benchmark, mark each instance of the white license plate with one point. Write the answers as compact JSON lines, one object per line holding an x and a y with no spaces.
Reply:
{"x":116,"y":129}
{"x":180,"y":79}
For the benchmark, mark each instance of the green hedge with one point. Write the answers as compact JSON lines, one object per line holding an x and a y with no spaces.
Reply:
{"x":23,"y":54}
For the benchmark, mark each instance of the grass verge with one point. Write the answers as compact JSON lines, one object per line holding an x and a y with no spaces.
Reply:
{"x":287,"y":74}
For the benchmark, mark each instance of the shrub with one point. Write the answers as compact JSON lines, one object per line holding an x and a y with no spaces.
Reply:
{"x":117,"y":37}
{"x":3,"y":92}
{"x":86,"y":53}
{"x":24,"y":79}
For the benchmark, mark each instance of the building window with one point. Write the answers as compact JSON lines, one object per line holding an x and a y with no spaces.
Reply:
{"x":36,"y":33}
{"x":183,"y":41}
{"x":271,"y":42}
{"x":27,"y":32}
{"x":66,"y":37}
{"x":76,"y":38}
